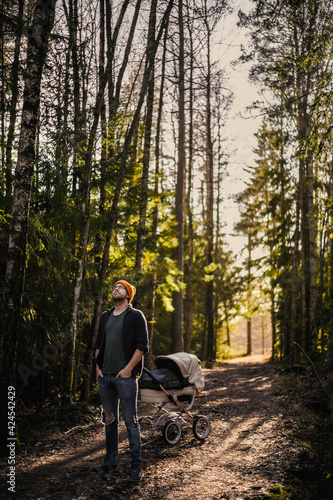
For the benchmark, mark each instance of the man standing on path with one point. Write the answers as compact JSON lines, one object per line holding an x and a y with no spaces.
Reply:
{"x":122,"y":340}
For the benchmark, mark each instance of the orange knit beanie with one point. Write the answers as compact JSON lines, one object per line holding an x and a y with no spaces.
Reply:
{"x":130,"y":288}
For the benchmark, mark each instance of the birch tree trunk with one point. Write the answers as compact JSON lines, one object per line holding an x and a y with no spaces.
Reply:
{"x":13,"y":104}
{"x":16,"y":259}
{"x":72,"y":22}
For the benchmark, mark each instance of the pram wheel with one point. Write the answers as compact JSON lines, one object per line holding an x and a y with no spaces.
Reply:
{"x":146,"y":428}
{"x":171,"y":432}
{"x":201,"y":427}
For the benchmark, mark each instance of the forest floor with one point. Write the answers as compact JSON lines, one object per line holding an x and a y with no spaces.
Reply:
{"x":265,"y":442}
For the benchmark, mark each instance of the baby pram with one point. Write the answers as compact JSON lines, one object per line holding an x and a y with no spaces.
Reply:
{"x":177,"y":379}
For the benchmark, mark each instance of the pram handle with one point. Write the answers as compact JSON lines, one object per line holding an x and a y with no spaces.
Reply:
{"x":151,"y":375}
{"x":157,"y":382}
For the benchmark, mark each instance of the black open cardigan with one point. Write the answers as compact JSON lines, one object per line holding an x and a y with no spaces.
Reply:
{"x":135,"y":336}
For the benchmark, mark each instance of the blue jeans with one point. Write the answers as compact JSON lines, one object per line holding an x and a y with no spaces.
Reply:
{"x":125,"y":391}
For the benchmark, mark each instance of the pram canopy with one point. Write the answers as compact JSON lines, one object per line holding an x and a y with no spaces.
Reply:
{"x":174,"y":371}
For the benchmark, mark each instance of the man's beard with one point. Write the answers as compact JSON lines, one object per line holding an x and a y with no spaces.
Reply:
{"x":118,"y":300}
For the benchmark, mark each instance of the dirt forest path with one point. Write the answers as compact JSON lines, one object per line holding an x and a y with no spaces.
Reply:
{"x":252,"y":451}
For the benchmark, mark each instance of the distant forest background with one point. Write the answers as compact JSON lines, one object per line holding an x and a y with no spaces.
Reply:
{"x":113,"y":159}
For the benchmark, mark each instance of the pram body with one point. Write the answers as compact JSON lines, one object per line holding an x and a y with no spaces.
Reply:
{"x":177,"y":379}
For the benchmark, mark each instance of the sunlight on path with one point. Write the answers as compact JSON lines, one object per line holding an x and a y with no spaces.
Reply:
{"x":254,"y":358}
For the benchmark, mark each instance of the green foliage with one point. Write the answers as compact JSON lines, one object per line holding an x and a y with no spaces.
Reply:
{"x":3,"y":218}
{"x":224,"y":351}
{"x":277,"y":492}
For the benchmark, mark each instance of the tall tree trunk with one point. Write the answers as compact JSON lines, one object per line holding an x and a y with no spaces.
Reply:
{"x":13,"y":104}
{"x":294,"y":270}
{"x":103,"y":19}
{"x":330,"y":351}
{"x":249,"y":305}
{"x":209,"y":213}
{"x":305,"y":270}
{"x":72,"y":22}
{"x":147,"y":141}
{"x":227,"y":321}
{"x":62,"y":136}
{"x":325,"y":269}
{"x":300,"y":213}
{"x":219,"y":244}
{"x":80,"y":145}
{"x":284,"y":251}
{"x":312,"y":340}
{"x":190,"y":279}
{"x":263,"y":334}
{"x":151,"y":318}
{"x":273,"y":322}
{"x":2,"y":98}
{"x":304,"y":85}
{"x":108,"y":24}
{"x":16,"y":260}
{"x":248,"y":337}
{"x":104,"y":138}
{"x":190,"y":275}
{"x":177,"y":302}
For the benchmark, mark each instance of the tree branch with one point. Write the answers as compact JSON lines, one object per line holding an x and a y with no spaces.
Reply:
{"x":313,"y":368}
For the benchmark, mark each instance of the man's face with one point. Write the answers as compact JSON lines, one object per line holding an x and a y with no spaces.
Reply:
{"x":119,"y":292}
